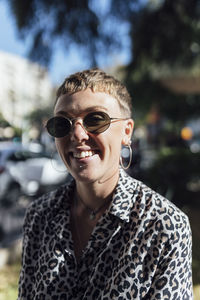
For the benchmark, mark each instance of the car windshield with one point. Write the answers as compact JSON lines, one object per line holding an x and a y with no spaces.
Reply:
{"x":24,"y":155}
{"x":19,"y":153}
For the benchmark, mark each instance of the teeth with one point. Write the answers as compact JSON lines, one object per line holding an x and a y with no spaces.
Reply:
{"x":83,"y":154}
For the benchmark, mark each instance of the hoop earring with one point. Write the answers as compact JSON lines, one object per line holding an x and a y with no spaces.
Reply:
{"x":130,"y":157}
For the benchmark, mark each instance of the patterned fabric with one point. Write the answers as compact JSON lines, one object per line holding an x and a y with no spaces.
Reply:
{"x":140,"y":249}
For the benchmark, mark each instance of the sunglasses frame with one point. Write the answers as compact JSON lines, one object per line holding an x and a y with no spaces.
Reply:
{"x":72,"y":121}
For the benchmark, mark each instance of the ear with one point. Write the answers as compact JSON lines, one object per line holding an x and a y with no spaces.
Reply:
{"x":128,"y":130}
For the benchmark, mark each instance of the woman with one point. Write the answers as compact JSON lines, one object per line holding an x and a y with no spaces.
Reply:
{"x":104,"y":235}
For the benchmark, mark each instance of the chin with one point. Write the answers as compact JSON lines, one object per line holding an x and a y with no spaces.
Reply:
{"x":84,"y":176}
{"x":85,"y":179}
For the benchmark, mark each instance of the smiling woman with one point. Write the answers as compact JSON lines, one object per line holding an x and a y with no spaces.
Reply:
{"x":104,"y":235}
{"x":95,"y":131}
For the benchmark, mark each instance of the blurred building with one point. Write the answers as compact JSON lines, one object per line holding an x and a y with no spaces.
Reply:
{"x":25,"y":86}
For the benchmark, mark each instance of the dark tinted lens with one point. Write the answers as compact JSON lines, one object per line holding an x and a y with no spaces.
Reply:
{"x":96,"y":122}
{"x":58,"y":126}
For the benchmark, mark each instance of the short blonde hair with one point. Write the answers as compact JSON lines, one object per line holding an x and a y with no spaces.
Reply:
{"x":98,"y":81}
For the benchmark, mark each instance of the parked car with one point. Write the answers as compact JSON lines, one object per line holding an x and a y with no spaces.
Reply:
{"x":28,"y":170}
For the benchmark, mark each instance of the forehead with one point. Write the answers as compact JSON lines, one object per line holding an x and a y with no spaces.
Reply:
{"x":85,"y":101}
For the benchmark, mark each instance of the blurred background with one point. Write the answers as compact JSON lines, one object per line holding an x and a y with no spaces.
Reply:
{"x":153,"y":46}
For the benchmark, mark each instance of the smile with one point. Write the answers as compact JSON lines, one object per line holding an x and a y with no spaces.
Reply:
{"x":83,"y":154}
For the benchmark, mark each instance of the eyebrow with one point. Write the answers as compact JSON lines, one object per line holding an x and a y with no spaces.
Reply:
{"x":72,"y":112}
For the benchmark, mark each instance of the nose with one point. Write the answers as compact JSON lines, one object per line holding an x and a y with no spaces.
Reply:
{"x":78,"y":132}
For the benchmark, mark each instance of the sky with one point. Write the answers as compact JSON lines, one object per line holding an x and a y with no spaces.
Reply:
{"x":62,"y":64}
{"x":10,"y":42}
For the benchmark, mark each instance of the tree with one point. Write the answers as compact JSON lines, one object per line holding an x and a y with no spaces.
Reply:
{"x":164,"y":34}
{"x":165,"y":40}
{"x":167,"y":33}
{"x":161,"y":31}
{"x":83,"y":22}
{"x":37,"y":117}
{"x":165,"y":43}
{"x":3,"y":121}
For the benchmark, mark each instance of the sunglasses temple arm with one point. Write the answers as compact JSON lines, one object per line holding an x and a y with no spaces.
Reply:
{"x":108,"y":123}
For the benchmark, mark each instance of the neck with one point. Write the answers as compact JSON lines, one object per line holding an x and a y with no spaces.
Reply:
{"x":94,"y":194}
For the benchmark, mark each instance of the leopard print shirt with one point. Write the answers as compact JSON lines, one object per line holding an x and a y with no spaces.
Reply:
{"x":139,"y":249}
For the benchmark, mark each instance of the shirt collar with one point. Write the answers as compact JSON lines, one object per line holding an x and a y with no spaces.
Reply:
{"x":124,"y":196}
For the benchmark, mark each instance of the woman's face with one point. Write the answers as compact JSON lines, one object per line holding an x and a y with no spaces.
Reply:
{"x":91,"y":157}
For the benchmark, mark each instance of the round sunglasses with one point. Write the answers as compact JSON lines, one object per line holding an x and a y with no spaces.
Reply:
{"x":93,"y":122}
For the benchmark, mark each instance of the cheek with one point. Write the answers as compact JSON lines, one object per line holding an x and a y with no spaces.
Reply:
{"x":114,"y":142}
{"x":115,"y":149}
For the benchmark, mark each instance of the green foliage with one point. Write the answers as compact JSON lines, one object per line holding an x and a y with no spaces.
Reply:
{"x":167,"y":33}
{"x":196,"y":259}
{"x":175,"y":174}
{"x":147,"y":92}
{"x":37,"y":117}
{"x":66,"y":22}
{"x":196,"y":292}
{"x":162,"y":32}
{"x":3,"y":122}
{"x":17,"y":132}
{"x":9,"y":277}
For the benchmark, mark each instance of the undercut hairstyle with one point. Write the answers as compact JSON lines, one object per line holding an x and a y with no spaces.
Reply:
{"x":98,"y":81}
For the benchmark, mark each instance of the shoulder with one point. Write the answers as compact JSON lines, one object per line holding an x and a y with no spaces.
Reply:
{"x":48,"y":205}
{"x":161,"y":208}
{"x":152,"y":207}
